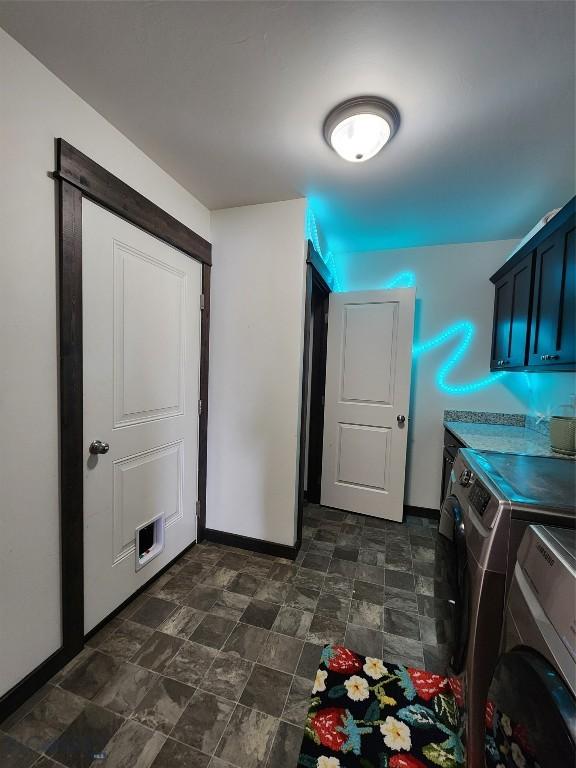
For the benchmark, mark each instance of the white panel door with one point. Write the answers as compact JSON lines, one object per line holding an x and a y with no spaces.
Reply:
{"x":368,"y":366}
{"x":141,"y":344}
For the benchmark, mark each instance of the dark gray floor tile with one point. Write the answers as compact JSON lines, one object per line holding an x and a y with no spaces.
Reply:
{"x":400,"y":600}
{"x":401,"y":623}
{"x":425,"y":554}
{"x":157,"y":651}
{"x":298,"y":701}
{"x":202,"y":723}
{"x":245,"y":584}
{"x":343,"y":567}
{"x":399,"y":580}
{"x":176,"y":755}
{"x":435,"y":631}
{"x":365,"y":641}
{"x":309,"y":660}
{"x":212,"y":631}
{"x":305,"y":577}
{"x":125,"y":689}
{"x":401,"y":646}
{"x":432,"y":588}
{"x":230,"y":606}
{"x":266,"y":690}
{"x":302,"y":597}
{"x":260,"y":614}
{"x":191,"y":663}
{"x":91,"y":674}
{"x":433,"y":607}
{"x":373,"y":574}
{"x":133,"y":606}
{"x":163,"y":704}
{"x":423,"y":568}
{"x":339,"y":585}
{"x":273,"y":592}
{"x":281,"y":652}
{"x":368,"y":557}
{"x":203,"y":597}
{"x":316,"y":562}
{"x":326,"y":536}
{"x":333,"y":606}
{"x":366,"y":614}
{"x":260,"y":569}
{"x":350,"y":554}
{"x":246,"y":641}
{"x":126,"y":641}
{"x":219,"y":577}
{"x":103,"y":634}
{"x":86,"y":736}
{"x":282,"y":572}
{"x":183,"y":622}
{"x":227,"y":676}
{"x":437,"y":658}
{"x":372,"y":593}
{"x":234,"y":560}
{"x":40,"y":727}
{"x":184,"y":581}
{"x":293,"y":622}
{"x":325,"y":630}
{"x":286,"y":746}
{"x":15,"y":755}
{"x":248,"y":738}
{"x":132,"y":745}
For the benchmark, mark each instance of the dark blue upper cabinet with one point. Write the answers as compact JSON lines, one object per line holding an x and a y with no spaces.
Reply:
{"x":535,"y":301}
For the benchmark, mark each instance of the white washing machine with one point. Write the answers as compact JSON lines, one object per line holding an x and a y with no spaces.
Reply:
{"x":531,"y":710}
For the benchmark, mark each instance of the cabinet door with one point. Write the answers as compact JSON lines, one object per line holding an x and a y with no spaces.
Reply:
{"x":512,"y":316}
{"x":552,"y":337}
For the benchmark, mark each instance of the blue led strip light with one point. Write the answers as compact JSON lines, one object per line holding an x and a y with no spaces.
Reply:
{"x":465,"y":330}
{"x":328,"y":258}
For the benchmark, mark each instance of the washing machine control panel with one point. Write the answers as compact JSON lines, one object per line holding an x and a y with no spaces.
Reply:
{"x":479,"y":497}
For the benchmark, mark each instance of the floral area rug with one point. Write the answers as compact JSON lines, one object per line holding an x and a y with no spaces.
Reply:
{"x":365,"y":713}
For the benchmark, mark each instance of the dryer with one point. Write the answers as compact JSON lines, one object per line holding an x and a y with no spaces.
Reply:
{"x":531,"y":710}
{"x":493,"y":499}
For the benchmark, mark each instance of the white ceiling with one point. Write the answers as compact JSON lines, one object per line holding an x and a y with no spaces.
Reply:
{"x":229,"y":98}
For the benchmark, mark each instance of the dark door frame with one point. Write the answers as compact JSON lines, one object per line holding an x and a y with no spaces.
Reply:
{"x":318,"y":282}
{"x":78,"y":177}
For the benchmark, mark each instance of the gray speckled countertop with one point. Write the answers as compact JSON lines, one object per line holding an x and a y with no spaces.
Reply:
{"x":502,"y":437}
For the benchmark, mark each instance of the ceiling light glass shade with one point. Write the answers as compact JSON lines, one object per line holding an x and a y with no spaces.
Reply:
{"x":358,"y":129}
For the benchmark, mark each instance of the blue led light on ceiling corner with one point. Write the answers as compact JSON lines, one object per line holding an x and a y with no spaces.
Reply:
{"x":328,"y":258}
{"x":401,"y":280}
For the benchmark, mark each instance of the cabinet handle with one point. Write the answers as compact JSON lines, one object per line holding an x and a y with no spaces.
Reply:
{"x":549,"y":357}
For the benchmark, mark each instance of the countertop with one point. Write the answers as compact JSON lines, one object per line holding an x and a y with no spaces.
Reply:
{"x":502,"y":437}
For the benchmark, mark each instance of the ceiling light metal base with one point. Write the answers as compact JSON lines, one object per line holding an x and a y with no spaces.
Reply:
{"x":372,"y":105}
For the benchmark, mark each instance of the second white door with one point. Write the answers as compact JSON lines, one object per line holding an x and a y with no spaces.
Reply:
{"x":141,"y":346}
{"x":367,"y":398}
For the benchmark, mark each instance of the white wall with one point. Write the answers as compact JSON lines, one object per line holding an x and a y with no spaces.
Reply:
{"x":256,"y":338}
{"x":452,"y":284}
{"x":35,"y":108}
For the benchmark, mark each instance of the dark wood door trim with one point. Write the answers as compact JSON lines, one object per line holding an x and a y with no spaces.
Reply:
{"x":316,"y":281}
{"x":79,"y":177}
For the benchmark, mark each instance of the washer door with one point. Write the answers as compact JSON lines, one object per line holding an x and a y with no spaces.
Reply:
{"x":530,"y":715}
{"x":459,"y":583}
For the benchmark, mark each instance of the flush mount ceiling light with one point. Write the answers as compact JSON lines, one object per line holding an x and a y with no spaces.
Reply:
{"x":358,"y":128}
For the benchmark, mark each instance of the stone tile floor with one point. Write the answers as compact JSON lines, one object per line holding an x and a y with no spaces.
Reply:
{"x":212,"y":666}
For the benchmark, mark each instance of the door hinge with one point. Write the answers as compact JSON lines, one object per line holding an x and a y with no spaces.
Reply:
{"x":198,"y":508}
{"x":326,"y":318}
{"x":199,"y":407}
{"x":323,"y":400}
{"x":201,"y":302}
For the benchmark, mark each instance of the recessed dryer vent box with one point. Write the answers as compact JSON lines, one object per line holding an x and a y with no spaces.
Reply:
{"x":149,"y":541}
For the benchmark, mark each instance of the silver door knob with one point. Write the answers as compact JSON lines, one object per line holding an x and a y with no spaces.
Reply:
{"x":400,"y":419}
{"x":97,"y":446}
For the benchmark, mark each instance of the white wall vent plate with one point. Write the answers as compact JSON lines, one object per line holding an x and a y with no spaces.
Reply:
{"x":149,"y":540}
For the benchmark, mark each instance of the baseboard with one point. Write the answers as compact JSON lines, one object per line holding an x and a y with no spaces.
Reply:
{"x":253,"y":545}
{"x":27,"y":687}
{"x":33,"y":681}
{"x":139,"y":591}
{"x":434,"y":514}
